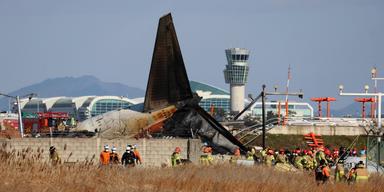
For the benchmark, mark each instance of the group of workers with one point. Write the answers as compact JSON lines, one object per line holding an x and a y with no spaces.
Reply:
{"x":130,"y":158}
{"x":318,"y":160}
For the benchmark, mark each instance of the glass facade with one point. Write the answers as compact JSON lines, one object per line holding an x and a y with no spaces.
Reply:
{"x":299,"y":111}
{"x":236,"y":71}
{"x":218,"y":103}
{"x":236,"y":74}
{"x":33,"y":106}
{"x":65,"y":105}
{"x":104,"y":105}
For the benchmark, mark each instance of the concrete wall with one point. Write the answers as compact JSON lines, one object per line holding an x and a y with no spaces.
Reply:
{"x":322,"y":130}
{"x":153,"y":151}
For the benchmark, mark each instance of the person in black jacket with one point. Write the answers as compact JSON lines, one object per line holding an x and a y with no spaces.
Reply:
{"x":128,"y":159}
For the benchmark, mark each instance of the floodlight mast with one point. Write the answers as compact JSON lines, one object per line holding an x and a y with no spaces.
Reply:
{"x":19,"y":119}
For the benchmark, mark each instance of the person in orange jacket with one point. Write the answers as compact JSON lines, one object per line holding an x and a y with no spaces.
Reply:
{"x":105,"y":156}
{"x":137,"y":154}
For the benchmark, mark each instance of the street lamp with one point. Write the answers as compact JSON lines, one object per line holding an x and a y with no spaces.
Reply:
{"x":366,"y":88}
{"x":373,"y":71}
{"x":20,"y":119}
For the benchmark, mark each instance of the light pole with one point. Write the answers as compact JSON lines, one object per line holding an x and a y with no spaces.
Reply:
{"x":20,"y":119}
{"x":377,"y":95}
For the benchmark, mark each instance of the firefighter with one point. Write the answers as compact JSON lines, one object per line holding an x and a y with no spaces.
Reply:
{"x":139,"y":160}
{"x":206,"y":158}
{"x":105,"y":156}
{"x":282,"y":162}
{"x":281,"y":157}
{"x":128,"y":159}
{"x":54,"y":156}
{"x":322,"y":172}
{"x":339,"y":171}
{"x":114,"y":158}
{"x":320,"y":155}
{"x":236,"y":156}
{"x":176,"y":157}
{"x":359,"y":173}
{"x":269,"y":159}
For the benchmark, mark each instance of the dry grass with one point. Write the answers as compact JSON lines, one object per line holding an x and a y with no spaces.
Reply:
{"x":24,"y":171}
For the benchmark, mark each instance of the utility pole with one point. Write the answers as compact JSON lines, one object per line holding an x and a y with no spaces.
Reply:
{"x":263,"y":113}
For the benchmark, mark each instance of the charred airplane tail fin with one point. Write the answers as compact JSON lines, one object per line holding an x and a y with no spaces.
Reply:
{"x":168,"y":81}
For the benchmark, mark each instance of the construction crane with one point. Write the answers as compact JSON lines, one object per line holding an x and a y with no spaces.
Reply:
{"x":323,"y":99}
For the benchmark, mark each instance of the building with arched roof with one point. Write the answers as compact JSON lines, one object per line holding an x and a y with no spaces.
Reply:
{"x":211,"y":96}
{"x":80,"y":108}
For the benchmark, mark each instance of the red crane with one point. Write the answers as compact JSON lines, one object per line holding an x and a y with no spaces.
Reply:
{"x":363,"y":101}
{"x":322,"y":99}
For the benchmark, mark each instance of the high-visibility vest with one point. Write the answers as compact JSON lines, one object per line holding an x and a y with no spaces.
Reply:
{"x":361,"y":174}
{"x":175,"y":159}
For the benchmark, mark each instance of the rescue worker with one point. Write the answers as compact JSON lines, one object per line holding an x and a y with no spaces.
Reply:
{"x":269,"y":159}
{"x":359,"y":173}
{"x":114,"y":158}
{"x":281,"y":157}
{"x":322,"y":173}
{"x":54,"y":156}
{"x":258,"y":156}
{"x":339,"y":171}
{"x":282,"y":162}
{"x":299,"y":161}
{"x":139,"y":160}
{"x":176,"y":157}
{"x":335,"y":153}
{"x":105,"y":156}
{"x":251,"y":155}
{"x":320,"y":155}
{"x":307,"y":160}
{"x":128,"y":159}
{"x":206,"y":158}
{"x":314,"y":162}
{"x":236,"y":156}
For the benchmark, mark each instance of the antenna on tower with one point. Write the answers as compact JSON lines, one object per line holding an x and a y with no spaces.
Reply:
{"x":286,"y":95}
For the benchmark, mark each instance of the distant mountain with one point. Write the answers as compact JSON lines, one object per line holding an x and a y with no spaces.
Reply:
{"x":353,"y":110}
{"x":73,"y":87}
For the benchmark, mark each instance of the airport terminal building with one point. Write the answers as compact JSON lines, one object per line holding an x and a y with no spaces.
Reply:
{"x":80,"y":108}
{"x":85,"y":107}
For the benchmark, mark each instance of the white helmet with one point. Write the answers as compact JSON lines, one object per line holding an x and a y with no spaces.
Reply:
{"x":106,"y":147}
{"x":128,"y":148}
{"x":113,"y":148}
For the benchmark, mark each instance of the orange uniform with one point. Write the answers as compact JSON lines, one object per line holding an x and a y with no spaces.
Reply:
{"x":104,"y":157}
{"x":138,"y":156}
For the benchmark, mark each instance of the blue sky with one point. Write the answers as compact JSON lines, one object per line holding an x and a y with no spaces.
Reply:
{"x":326,"y":42}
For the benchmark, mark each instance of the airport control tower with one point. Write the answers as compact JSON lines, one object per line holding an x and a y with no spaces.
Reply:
{"x":236,"y":74}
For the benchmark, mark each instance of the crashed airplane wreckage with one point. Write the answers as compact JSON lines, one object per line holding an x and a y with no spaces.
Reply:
{"x":170,"y":107}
